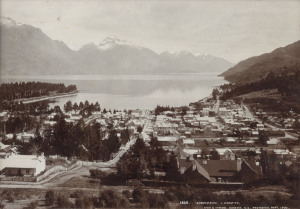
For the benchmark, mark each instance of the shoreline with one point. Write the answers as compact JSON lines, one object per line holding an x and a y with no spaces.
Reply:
{"x":42,"y":98}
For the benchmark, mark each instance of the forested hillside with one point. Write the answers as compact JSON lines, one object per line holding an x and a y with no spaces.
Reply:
{"x":287,"y":83}
{"x":258,"y":67}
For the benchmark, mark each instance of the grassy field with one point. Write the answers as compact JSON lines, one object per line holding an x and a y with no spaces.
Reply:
{"x":272,"y":94}
{"x":81,"y":182}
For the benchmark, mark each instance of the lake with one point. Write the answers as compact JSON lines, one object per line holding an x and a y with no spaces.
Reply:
{"x":132,"y":91}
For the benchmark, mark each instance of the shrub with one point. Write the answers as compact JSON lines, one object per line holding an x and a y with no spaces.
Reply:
{"x":127,"y":194}
{"x":139,"y":195}
{"x":279,"y":200}
{"x":84,"y":203}
{"x":124,"y":202}
{"x":50,"y":197}
{"x":240,"y":198}
{"x":109,"y":198}
{"x":32,"y":205}
{"x":63,"y":202}
{"x":96,"y":173}
{"x":171,"y":196}
{"x":208,"y":196}
{"x":77,"y":194}
{"x":158,"y":201}
{"x":10,"y":197}
{"x":1,"y":204}
{"x":112,"y":199}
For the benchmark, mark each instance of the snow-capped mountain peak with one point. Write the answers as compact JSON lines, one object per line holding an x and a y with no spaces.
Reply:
{"x":113,"y":41}
{"x":9,"y":22}
{"x":177,"y":53}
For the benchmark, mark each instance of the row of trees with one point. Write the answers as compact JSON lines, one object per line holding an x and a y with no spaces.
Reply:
{"x":159,"y":109}
{"x":108,"y":198}
{"x":82,"y":107}
{"x":10,"y":91}
{"x":87,"y":142}
{"x":85,"y":109}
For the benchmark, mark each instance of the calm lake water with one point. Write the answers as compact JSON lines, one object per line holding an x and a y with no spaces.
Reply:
{"x":132,"y":91}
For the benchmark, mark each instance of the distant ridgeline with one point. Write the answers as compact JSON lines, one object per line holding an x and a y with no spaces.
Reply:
{"x":286,"y":84}
{"x":21,"y":90}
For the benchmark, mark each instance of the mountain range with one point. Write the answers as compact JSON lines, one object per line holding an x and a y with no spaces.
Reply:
{"x":255,"y":68}
{"x":26,"y":50}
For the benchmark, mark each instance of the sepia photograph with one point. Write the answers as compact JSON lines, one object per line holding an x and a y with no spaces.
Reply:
{"x":150,"y":104}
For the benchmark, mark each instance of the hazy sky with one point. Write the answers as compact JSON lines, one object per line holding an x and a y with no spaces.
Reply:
{"x":234,"y":30}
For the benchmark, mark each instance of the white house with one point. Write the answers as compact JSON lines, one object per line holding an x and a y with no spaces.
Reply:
{"x":16,"y":165}
{"x":226,"y":154}
{"x":260,"y":126}
{"x":165,"y":128}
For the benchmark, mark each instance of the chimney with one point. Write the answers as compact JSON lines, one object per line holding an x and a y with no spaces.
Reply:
{"x":239,"y":164}
{"x":194,"y":165}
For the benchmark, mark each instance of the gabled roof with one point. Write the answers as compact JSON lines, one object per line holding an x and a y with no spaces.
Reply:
{"x":222,"y":151}
{"x":4,"y":147}
{"x":220,"y":167}
{"x":201,"y":170}
{"x":252,"y":165}
{"x":21,"y":161}
{"x":193,"y":166}
{"x":184,"y":163}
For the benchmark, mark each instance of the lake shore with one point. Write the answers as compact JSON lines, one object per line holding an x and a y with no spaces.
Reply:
{"x":47,"y":97}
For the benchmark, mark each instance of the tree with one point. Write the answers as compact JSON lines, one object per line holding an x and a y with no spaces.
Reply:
{"x":172,"y":169}
{"x":113,"y":141}
{"x":84,"y":202}
{"x":215,"y":155}
{"x":215,"y":93}
{"x":154,"y":142}
{"x":263,"y":160}
{"x":81,"y":105}
{"x":63,"y":202}
{"x":204,"y":153}
{"x":139,"y":129}
{"x":184,"y":110}
{"x":97,"y":106}
{"x":50,"y":197}
{"x":139,"y":195}
{"x":263,"y":138}
{"x":158,"y":201}
{"x":112,"y":199}
{"x":133,"y":165}
{"x":86,"y":103}
{"x":75,"y":107}
{"x":68,"y":106}
{"x":57,"y":109}
{"x":125,"y":136}
{"x":33,"y":204}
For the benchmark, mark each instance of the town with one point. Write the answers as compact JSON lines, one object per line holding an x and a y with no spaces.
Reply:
{"x":208,"y":149}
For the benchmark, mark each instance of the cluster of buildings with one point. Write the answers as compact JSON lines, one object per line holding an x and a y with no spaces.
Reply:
{"x":223,"y":127}
{"x":14,"y":164}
